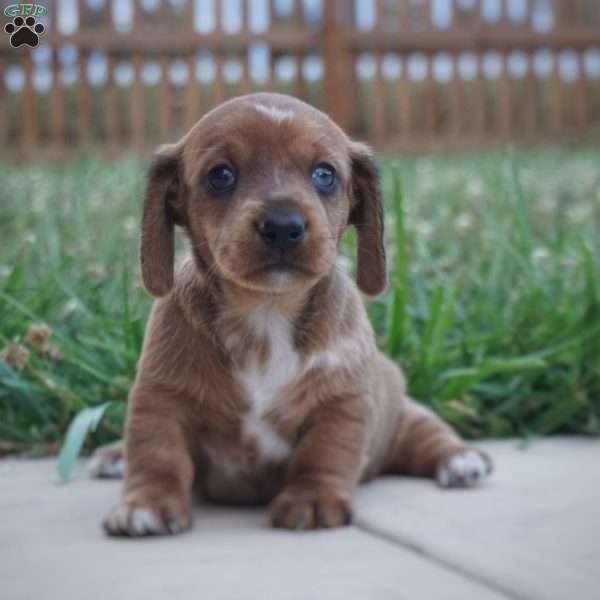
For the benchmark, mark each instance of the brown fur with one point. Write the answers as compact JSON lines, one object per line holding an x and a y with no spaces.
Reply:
{"x":344,"y":414}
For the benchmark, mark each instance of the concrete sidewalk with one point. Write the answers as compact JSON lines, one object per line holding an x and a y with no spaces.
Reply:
{"x":532,"y":532}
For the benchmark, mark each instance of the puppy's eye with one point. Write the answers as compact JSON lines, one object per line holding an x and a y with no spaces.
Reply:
{"x":221,"y":179}
{"x":323,"y":177}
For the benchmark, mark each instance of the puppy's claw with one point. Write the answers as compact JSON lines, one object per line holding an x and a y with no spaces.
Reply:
{"x":465,"y":468}
{"x":140,"y":521}
{"x":307,"y":509}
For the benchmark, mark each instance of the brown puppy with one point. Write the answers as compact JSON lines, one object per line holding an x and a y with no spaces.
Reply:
{"x":259,"y":378}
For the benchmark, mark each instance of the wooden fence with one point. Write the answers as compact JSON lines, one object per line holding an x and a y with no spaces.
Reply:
{"x":400,"y":73}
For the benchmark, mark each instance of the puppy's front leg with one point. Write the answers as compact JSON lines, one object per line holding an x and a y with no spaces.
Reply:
{"x":159,"y":472}
{"x":325,"y":468}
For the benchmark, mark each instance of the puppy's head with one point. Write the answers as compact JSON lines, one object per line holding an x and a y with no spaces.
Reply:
{"x":264,"y":185}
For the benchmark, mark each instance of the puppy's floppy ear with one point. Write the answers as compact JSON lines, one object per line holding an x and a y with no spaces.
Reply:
{"x":366,"y":215}
{"x":161,"y":213}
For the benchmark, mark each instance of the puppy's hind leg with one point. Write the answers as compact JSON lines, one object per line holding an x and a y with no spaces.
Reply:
{"x":108,"y":462}
{"x":425,"y":446}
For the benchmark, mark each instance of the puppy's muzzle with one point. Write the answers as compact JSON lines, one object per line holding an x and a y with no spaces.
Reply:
{"x":282,"y":229}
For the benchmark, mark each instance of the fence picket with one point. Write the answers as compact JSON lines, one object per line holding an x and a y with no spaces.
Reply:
{"x":405,"y":99}
{"x":455,"y":123}
{"x":137,"y":105}
{"x":111,"y":109}
{"x":192,"y":109}
{"x":479,"y":99}
{"x":28,"y":108}
{"x":377,"y":104}
{"x":430,"y":100}
{"x":299,"y":80}
{"x":530,"y":91}
{"x":84,"y":124}
{"x":581,"y":96}
{"x":56,"y":102}
{"x":504,"y":102}
{"x":555,"y":96}
{"x":165,"y":108}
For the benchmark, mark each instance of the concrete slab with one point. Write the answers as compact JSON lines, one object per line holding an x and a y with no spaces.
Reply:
{"x":532,"y":532}
{"x":51,"y":548}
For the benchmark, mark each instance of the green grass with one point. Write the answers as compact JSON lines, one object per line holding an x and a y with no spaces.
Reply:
{"x":493,"y":307}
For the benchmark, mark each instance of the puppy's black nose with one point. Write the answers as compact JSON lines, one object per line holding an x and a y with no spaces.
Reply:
{"x":282,"y":229}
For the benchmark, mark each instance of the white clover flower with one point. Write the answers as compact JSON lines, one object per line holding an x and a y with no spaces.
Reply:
{"x":130,"y":228}
{"x":426,"y":186}
{"x":587,"y":175}
{"x":474,"y":188}
{"x":71,"y":306}
{"x":464,"y":221}
{"x":540,"y":254}
{"x":579,"y":214}
{"x":97,"y":203}
{"x":454,"y":178}
{"x":49,"y":382}
{"x":424,"y":228}
{"x":38,"y":204}
{"x":549,"y":203}
{"x":67,"y":205}
{"x":425,"y":169}
{"x":569,"y":260}
{"x":96,"y":270}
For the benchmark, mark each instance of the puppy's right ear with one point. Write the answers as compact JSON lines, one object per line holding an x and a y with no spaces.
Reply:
{"x":367,"y":217}
{"x":161,"y":204}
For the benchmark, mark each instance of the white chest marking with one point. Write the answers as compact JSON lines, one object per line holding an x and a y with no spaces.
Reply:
{"x":264,"y":382}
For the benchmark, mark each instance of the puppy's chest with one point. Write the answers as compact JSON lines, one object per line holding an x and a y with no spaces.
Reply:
{"x":265,"y":368}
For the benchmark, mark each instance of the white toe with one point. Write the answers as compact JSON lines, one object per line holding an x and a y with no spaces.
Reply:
{"x":133,"y":521}
{"x":100,"y":466}
{"x":145,"y":521}
{"x":116,"y":522}
{"x":463,"y":469}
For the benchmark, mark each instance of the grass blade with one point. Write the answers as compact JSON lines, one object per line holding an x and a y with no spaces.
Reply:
{"x":87,"y":420}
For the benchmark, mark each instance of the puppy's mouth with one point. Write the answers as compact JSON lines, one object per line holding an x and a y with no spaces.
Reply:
{"x":281,"y":266}
{"x":271,"y":269}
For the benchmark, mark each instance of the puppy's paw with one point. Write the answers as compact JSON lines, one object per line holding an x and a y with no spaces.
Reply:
{"x":305,"y":508}
{"x":138,"y":521}
{"x":464,"y":468}
{"x":107,"y":462}
{"x":102,"y":466}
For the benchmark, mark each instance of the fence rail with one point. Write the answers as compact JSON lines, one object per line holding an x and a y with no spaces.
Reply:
{"x":400,"y":73}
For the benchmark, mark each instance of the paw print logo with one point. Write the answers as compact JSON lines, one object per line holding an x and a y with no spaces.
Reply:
{"x":24,"y":31}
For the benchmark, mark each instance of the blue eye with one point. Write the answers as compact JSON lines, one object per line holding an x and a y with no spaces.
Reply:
{"x":221,"y":179}
{"x":323,"y":177}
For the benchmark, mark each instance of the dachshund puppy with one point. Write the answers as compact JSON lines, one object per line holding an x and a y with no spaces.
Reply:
{"x":260,"y":380}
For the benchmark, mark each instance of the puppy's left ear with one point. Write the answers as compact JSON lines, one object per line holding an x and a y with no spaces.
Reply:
{"x":162,"y":211}
{"x":366,"y":215}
